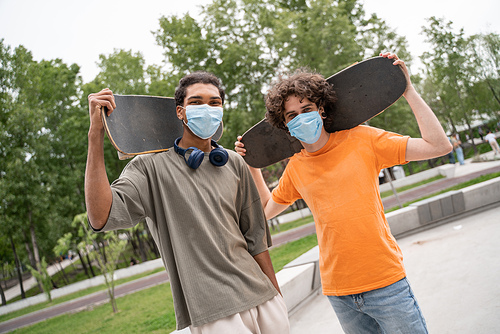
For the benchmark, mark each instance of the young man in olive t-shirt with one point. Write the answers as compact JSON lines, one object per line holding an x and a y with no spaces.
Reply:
{"x":204,"y":212}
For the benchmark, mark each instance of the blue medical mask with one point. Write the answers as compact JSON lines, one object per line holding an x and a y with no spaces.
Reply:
{"x":306,"y":127}
{"x":203,"y":120}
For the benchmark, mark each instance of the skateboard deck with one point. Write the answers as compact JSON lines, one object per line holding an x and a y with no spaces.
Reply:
{"x":364,"y":90}
{"x":144,"y":124}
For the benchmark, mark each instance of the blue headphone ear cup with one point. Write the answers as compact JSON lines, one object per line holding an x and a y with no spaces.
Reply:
{"x":195,"y":158}
{"x":218,"y":156}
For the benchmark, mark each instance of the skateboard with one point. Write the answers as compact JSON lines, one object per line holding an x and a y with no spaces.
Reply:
{"x":144,"y":124}
{"x":364,"y":90}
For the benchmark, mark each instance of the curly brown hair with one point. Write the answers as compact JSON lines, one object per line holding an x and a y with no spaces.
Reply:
{"x":302,"y":83}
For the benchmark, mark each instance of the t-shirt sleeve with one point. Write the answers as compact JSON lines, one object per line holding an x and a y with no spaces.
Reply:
{"x":127,"y":208}
{"x":253,"y":223}
{"x":285,"y":192}
{"x":389,"y":147}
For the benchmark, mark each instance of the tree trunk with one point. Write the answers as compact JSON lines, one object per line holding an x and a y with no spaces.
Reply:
{"x":18,"y":268}
{"x":28,"y":250}
{"x":493,"y":91}
{"x":132,"y":241}
{"x":36,"y":253}
{"x":467,"y":121}
{"x":64,"y":273}
{"x":4,"y":301}
{"x":90,"y":264}
{"x":152,"y":244}
{"x":142,"y":247}
{"x":83,"y":263}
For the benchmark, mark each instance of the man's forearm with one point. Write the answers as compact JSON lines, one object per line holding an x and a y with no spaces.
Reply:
{"x":98,"y":197}
{"x":434,"y":141}
{"x":264,"y":192}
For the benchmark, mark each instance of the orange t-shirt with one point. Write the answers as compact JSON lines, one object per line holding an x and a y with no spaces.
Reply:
{"x":340,"y":185}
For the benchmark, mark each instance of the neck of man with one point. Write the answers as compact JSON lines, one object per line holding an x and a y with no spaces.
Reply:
{"x":319,"y":144}
{"x":189,"y":139}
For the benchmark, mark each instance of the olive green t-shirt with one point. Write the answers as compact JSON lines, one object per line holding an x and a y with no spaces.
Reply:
{"x":208,"y":223}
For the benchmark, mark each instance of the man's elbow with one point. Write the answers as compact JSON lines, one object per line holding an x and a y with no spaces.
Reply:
{"x":97,"y":217}
{"x":446,"y":147}
{"x":96,"y":224}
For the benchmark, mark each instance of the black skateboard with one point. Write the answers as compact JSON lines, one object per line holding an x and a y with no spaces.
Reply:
{"x":144,"y":124}
{"x":364,"y":90}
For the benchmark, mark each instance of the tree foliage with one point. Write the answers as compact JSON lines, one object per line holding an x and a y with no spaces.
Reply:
{"x":250,"y":42}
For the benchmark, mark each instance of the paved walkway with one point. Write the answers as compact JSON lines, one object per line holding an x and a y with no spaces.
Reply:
{"x":463,"y":173}
{"x":31,"y":282}
{"x":454,"y":270}
{"x":468,"y":171}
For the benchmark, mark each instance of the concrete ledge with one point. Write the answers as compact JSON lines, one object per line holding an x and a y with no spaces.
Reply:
{"x":435,"y":209}
{"x":440,"y":206}
{"x":299,"y":279}
{"x":296,"y":284}
{"x":447,"y":171}
{"x":294,"y":215}
{"x":403,"y":220}
{"x":482,"y":194}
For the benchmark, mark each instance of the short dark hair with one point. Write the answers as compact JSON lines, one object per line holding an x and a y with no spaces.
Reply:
{"x":302,"y":83}
{"x":194,"y":78}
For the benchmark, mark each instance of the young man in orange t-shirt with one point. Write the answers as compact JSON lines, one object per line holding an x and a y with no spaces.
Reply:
{"x":361,"y":265}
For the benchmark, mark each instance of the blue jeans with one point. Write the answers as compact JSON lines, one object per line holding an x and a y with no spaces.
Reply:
{"x":392,"y":309}
{"x":460,"y":155}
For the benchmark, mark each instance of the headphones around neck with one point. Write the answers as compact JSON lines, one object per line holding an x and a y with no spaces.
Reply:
{"x":218,"y":156}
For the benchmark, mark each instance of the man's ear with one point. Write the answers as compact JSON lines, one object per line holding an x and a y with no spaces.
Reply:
{"x":322,"y":112}
{"x":179,"y":111}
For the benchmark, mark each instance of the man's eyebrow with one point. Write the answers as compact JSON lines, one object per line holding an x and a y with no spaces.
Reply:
{"x":197,"y":97}
{"x":302,"y":107}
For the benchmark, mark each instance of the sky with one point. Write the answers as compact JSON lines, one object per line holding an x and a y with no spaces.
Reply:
{"x":79,"y":31}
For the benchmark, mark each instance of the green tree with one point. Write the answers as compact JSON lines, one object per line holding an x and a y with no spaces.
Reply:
{"x":448,"y":76}
{"x":107,"y":258}
{"x":37,"y":100}
{"x":486,"y":52}
{"x":42,"y":276}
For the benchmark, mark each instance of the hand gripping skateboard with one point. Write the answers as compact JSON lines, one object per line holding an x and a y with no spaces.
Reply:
{"x":144,"y":124}
{"x":364,"y":90}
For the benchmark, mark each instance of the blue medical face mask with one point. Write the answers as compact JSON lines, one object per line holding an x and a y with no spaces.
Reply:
{"x":203,"y":120}
{"x":306,"y":127}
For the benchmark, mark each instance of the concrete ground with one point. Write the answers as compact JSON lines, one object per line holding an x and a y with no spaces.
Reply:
{"x":454,"y":270}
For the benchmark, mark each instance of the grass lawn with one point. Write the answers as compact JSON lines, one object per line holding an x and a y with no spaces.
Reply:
{"x":293,"y":224}
{"x":72,"y":296}
{"x":295,"y":249}
{"x":410,"y":186}
{"x":284,"y":254}
{"x":146,"y":311}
